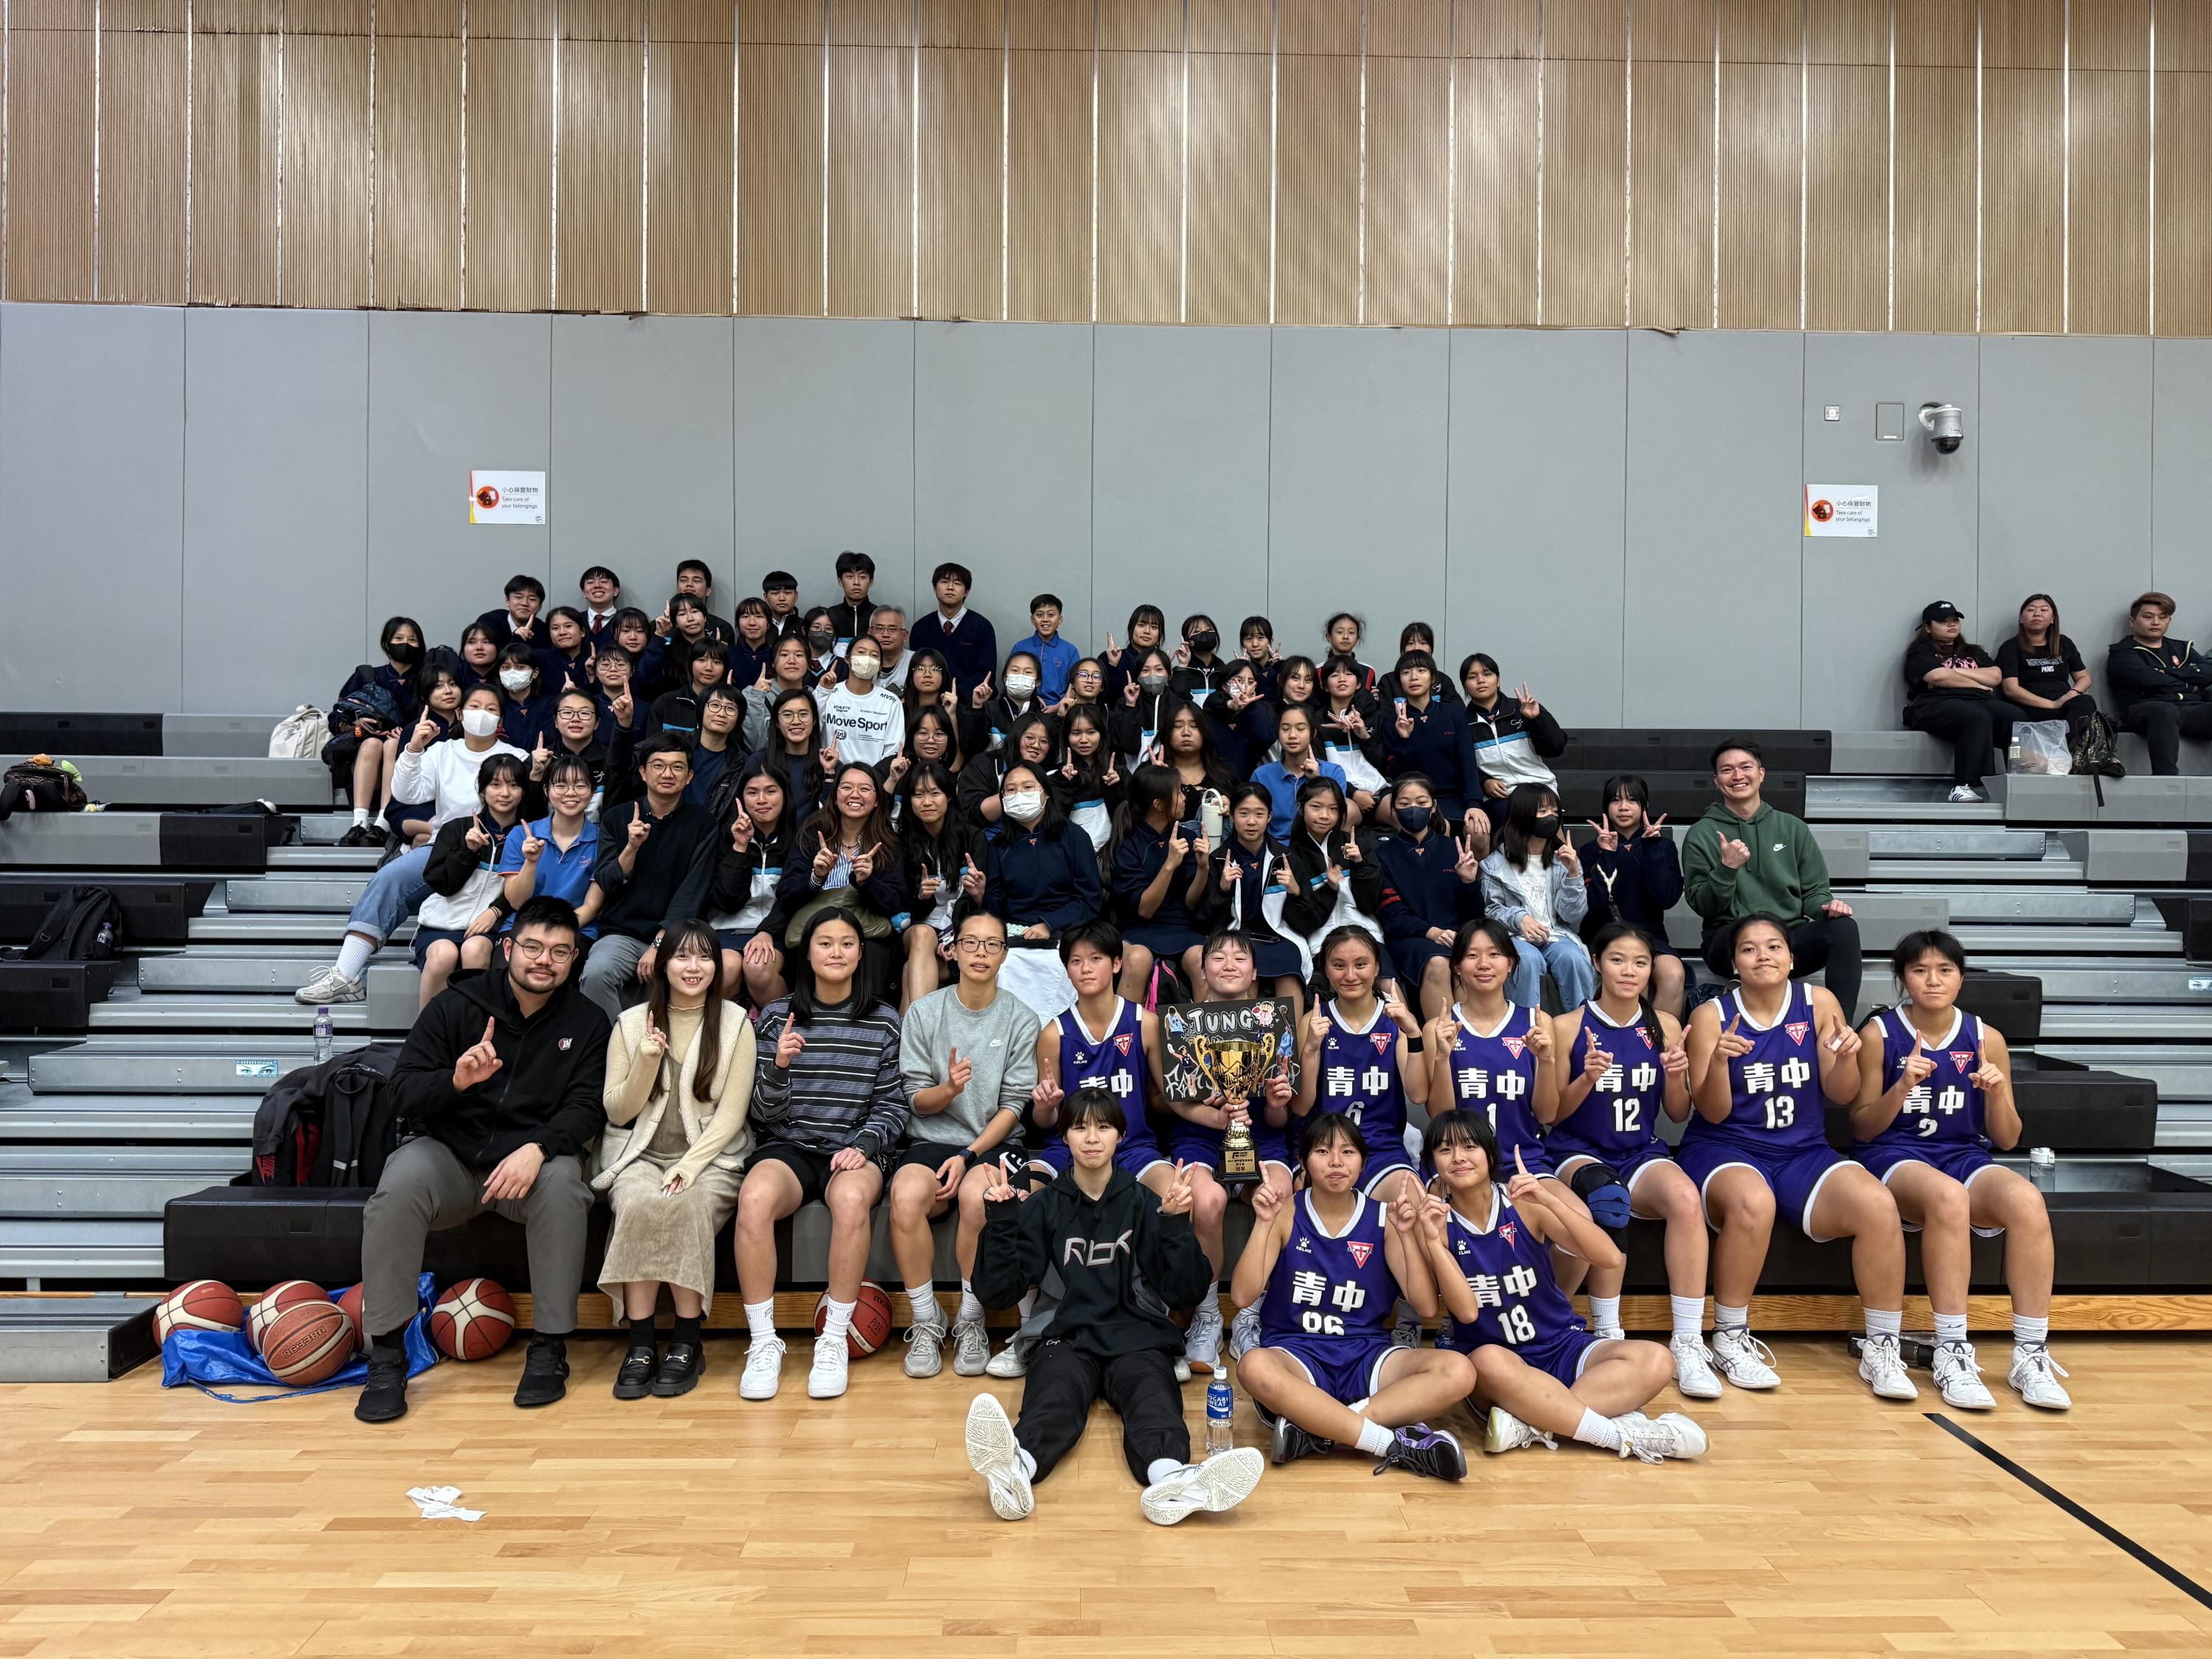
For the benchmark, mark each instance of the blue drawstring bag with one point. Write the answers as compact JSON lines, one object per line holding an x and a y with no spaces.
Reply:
{"x":205,"y":1357}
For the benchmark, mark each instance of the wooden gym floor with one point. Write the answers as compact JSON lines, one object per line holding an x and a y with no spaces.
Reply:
{"x":139,"y":1522}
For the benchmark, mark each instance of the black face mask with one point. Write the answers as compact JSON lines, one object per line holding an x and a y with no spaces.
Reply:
{"x":1547,"y":825}
{"x":403,"y":653}
{"x":1202,"y":642}
{"x":821,"y":641}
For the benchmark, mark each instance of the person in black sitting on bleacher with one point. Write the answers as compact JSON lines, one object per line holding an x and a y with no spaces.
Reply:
{"x":780,"y":592}
{"x":649,"y":659}
{"x":365,"y":733}
{"x":1344,"y":730}
{"x":1632,"y":872}
{"x":1199,"y":670}
{"x":717,"y":746}
{"x":1419,"y":732}
{"x":686,"y":633}
{"x":1513,"y":736}
{"x":755,"y":644}
{"x":2044,"y":675}
{"x":611,"y":672}
{"x":2163,"y":686}
{"x":1242,"y":719}
{"x":825,"y":667}
{"x":574,"y":730}
{"x":1146,"y":702}
{"x":656,"y":860}
{"x":849,"y":616}
{"x":565,"y":659}
{"x":601,"y":591}
{"x":1418,"y":637}
{"x":479,"y":657}
{"x":708,"y":665}
{"x":526,"y":703}
{"x":525,"y":598}
{"x":1950,"y":692}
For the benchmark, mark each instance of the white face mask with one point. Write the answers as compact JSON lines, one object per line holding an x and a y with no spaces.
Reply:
{"x":1024,"y":806}
{"x":862,"y":668}
{"x":1020,"y":685}
{"x":516,"y":680}
{"x":479,"y":722}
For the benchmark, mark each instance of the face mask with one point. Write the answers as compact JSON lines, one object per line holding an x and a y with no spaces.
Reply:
{"x":1153,"y":683}
{"x":405,"y":654}
{"x":1024,"y":806}
{"x":1413,"y":819}
{"x":1203,"y":641}
{"x":516,"y":680}
{"x":821,"y":640}
{"x":1020,"y":685}
{"x":863,"y":668}
{"x":479,"y":722}
{"x":1547,"y":824}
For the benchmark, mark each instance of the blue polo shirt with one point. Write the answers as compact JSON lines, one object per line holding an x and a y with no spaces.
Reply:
{"x":1056,"y":660}
{"x":1282,"y":789}
{"x":560,"y":875}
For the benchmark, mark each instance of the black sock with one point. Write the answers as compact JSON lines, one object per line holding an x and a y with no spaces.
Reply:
{"x":687,"y":1329}
{"x":391,"y":1346}
{"x":640,"y":1332}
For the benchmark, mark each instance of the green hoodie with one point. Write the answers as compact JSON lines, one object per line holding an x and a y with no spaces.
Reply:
{"x":1786,"y":875}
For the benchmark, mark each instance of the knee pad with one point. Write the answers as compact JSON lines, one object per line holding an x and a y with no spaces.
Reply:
{"x":1599,"y":1188}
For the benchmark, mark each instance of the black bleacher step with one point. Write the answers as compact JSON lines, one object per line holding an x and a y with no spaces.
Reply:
{"x":156,"y":909}
{"x":234,"y":842}
{"x":1645,"y":749}
{"x":53,"y":996}
{"x":2013,"y":1003}
{"x":2071,"y":1108}
{"x":28,"y":732}
{"x":1681,"y":795}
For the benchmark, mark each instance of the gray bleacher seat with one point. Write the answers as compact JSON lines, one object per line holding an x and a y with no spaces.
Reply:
{"x":1915,"y":754}
{"x":81,"y":839}
{"x":203,"y":781}
{"x":245,"y":736}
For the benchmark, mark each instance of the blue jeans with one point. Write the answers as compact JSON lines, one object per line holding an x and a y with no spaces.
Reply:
{"x":395,"y":893}
{"x":1568,"y":960}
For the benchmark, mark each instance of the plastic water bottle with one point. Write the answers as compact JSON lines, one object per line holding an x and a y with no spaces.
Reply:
{"x":1221,"y":1409}
{"x":326,"y":1034}
{"x":2043,"y":1167}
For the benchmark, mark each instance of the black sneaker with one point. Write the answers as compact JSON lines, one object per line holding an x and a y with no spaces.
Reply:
{"x":679,"y":1370}
{"x":634,"y":1381}
{"x":544,"y":1372}
{"x":1292,"y":1443}
{"x":384,"y":1396}
{"x":1424,"y":1451}
{"x":356,"y":836}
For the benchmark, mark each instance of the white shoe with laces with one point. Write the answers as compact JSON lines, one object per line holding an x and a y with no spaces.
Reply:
{"x":1963,"y":793}
{"x":1655,"y":1439}
{"x":1505,"y":1432}
{"x":1012,"y":1361}
{"x":331,"y":987}
{"x":826,"y":1381}
{"x":994,"y":1454}
{"x":1882,"y":1369}
{"x":925,"y":1348}
{"x":1694,"y":1376}
{"x":1222,"y":1482}
{"x":1201,"y":1345}
{"x":763,"y":1369}
{"x":1742,"y":1358}
{"x":1244,"y":1332}
{"x":2035,"y":1373}
{"x":1959,"y":1376}
{"x":971,"y":1348}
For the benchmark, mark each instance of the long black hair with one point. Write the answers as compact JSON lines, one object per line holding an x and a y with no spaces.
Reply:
{"x":1149,"y":786}
{"x":707,"y":1045}
{"x":1052,"y":823}
{"x":1519,"y":840}
{"x":799,"y":963}
{"x":1647,"y":1015}
{"x":929,"y":851}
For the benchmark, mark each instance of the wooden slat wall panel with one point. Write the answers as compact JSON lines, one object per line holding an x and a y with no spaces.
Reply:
{"x":1048,"y":178}
{"x":326,"y":229}
{"x":418,"y":172}
{"x":1139,"y":185}
{"x":1585,"y":29}
{"x":2024,"y":33}
{"x":688,"y":148}
{"x":2115,"y":34}
{"x":234,"y":167}
{"x":2184,"y":201}
{"x":601,"y":223}
{"x":1496,"y":28}
{"x":1675,"y":31}
{"x":783,"y":22}
{"x":1318,"y":28}
{"x":2023,"y":200}
{"x":1762,"y":31}
{"x":1762,"y":146}
{"x":1317,"y":189}
{"x":1585,"y":182}
{"x":1936,"y":34}
{"x":1050,"y":25}
{"x":1409,"y":188}
{"x":50,"y":165}
{"x":1231,"y":25}
{"x":1227,"y":276}
{"x":2108,"y":228}
{"x":1408,"y":28}
{"x":1847,"y":198}
{"x":1935,"y":261}
{"x":145,"y":78}
{"x":509,"y":248}
{"x":2185,"y":35}
{"x":1848,"y":32}
{"x":1670,"y":264}
{"x":780,"y":177}
{"x":1494,"y":218}
{"x":962,"y":107}
{"x":870,"y":180}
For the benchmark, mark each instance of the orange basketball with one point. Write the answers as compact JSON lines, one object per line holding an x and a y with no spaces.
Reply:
{"x":871,"y":1319}
{"x":307,"y":1342}
{"x":205,"y":1304}
{"x":472,"y":1320}
{"x":351,"y":1301}
{"x":273,"y":1301}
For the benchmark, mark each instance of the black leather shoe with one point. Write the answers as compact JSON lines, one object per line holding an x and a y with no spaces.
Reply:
{"x":544,"y":1372}
{"x":634,"y":1381}
{"x":356,"y":836}
{"x":384,"y":1396}
{"x":679,"y":1370}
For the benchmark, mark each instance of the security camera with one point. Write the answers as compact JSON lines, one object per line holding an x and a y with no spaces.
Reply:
{"x":1946,"y":427}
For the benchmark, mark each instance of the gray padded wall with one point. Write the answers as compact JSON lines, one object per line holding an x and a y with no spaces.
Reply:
{"x":2181,"y":460}
{"x":92,"y":419}
{"x":275,"y":507}
{"x":824,"y":454}
{"x":1863,"y":599}
{"x":1714,"y":502}
{"x":1538,"y":459}
{"x":450,"y":393}
{"x":644,"y":444}
{"x":1179,"y":492}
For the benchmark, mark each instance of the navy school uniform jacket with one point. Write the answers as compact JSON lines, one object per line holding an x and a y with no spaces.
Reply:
{"x":1441,"y":747}
{"x":1136,"y":861}
{"x":971,"y":649}
{"x":523,"y":722}
{"x":1036,"y":878}
{"x":747,"y":664}
{"x":501,"y":627}
{"x":556,"y":671}
{"x":1638,"y":883}
{"x":1312,"y":901}
{"x":1243,"y":737}
{"x":1421,"y":888}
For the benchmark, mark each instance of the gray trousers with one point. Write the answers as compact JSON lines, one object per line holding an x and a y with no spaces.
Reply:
{"x":426,"y":1189}
{"x":610,"y":974}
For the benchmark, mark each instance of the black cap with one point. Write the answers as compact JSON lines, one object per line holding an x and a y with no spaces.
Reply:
{"x":1941,"y":610}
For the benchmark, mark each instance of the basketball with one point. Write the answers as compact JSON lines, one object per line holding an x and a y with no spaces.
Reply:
{"x":472,"y":1320}
{"x":308,"y":1341}
{"x":871,"y":1319}
{"x":272,"y":1302}
{"x":205,"y":1304}
{"x":351,"y":1301}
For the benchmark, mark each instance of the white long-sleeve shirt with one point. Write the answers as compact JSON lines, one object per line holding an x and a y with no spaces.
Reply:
{"x":445,"y":774}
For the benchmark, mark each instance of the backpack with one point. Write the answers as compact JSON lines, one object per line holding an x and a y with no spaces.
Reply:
{"x":41,"y":784}
{"x":84,"y":925}
{"x":299,"y":735}
{"x":328,"y":1125}
{"x":369,"y":702}
{"x":2096,"y":752}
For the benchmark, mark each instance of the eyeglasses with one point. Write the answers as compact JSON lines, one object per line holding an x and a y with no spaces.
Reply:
{"x":668,"y":768}
{"x":533,"y":950}
{"x":981,"y":947}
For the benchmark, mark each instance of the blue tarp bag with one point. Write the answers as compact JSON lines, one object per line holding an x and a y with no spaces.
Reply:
{"x":204,"y":1359}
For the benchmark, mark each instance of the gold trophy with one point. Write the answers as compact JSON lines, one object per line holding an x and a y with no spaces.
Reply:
{"x":1236,"y":1069}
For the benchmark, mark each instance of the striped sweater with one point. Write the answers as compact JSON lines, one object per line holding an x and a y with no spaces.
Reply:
{"x":843,"y":1090}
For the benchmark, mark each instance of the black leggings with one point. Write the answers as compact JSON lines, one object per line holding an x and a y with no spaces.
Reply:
{"x":2077,"y":713}
{"x":1829,"y":942}
{"x":1975,"y":727}
{"x":1063,"y":1381}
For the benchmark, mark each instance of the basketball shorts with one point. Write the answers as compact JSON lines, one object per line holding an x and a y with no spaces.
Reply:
{"x":1345,"y":1370}
{"x":1962,"y":1161}
{"x":1795,"y":1174}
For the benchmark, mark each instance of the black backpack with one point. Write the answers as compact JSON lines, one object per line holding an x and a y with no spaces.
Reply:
{"x":41,"y":784}
{"x":2094,"y":751}
{"x":85,"y":925}
{"x":328,"y":1125}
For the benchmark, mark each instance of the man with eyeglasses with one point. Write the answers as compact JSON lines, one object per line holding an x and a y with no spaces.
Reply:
{"x":505,"y":1072}
{"x":968,"y":1059}
{"x":656,"y":857}
{"x":887,"y":627}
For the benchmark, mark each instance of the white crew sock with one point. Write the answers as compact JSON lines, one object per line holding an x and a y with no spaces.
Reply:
{"x":2026,"y":1330}
{"x":1604,"y":1313}
{"x":1689,"y":1314}
{"x":1374,"y":1438}
{"x":924,"y":1303}
{"x":1155,"y":1471}
{"x":1727,"y":1318}
{"x":1950,"y":1327}
{"x":353,"y":955}
{"x":971,"y":1311}
{"x":1890,"y":1324}
{"x":760,"y":1318}
{"x":1026,"y":1306}
{"x":839,"y":1320}
{"x":360,"y":818}
{"x":1600,"y":1432}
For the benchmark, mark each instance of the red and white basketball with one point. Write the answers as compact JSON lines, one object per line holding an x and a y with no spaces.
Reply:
{"x":871,"y":1319}
{"x":351,"y":1301}
{"x":273,"y":1301}
{"x":472,"y":1320}
{"x":205,"y":1304}
{"x":307,"y":1342}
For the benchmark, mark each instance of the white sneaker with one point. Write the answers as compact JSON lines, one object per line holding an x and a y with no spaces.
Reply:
{"x":1244,"y":1332}
{"x":1608,"y":1333}
{"x":1506,"y":1432}
{"x":2036,"y":1374}
{"x":971,"y":1348}
{"x":827,"y":1380}
{"x":1182,"y":1369}
{"x":1743,"y":1358}
{"x":763,"y":1369}
{"x":1222,"y":1482}
{"x":1013,"y":1360}
{"x":1883,"y":1369}
{"x":1655,"y":1439}
{"x":330,"y":986}
{"x":994,"y":1454}
{"x":925,"y":1348}
{"x":1694,"y":1376}
{"x":1406,"y":1333}
{"x":1201,"y":1344}
{"x":1964,"y":792}
{"x":1959,"y":1375}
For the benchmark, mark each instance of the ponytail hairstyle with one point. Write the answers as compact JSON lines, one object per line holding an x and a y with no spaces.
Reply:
{"x":1149,"y":786}
{"x":707,"y":1045}
{"x":1647,"y":1015}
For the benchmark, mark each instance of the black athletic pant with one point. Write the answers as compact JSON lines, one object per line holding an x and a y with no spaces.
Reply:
{"x":2076,"y":713}
{"x":1063,"y":1381}
{"x":2163,"y":725}
{"x":1977,"y":728}
{"x":1829,"y":942}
